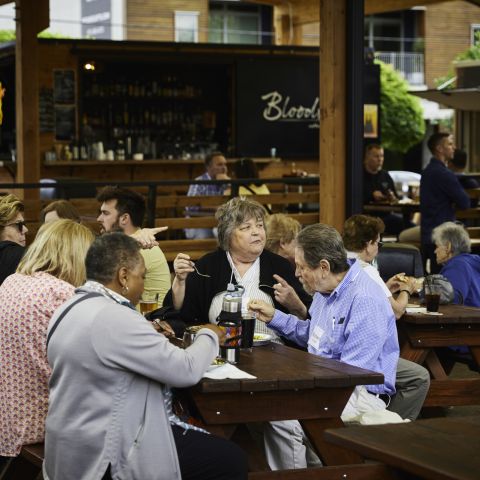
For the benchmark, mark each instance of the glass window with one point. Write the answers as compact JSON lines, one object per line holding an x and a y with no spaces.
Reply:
{"x":475,"y":38}
{"x":186,"y":26}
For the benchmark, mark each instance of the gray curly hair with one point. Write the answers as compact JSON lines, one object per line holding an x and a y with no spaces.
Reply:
{"x":455,"y":234}
{"x":232,"y":214}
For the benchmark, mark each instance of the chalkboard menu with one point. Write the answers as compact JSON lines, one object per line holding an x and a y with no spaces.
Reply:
{"x":277,"y":106}
{"x":64,"y":104}
{"x":64,"y":86}
{"x":46,"y":112}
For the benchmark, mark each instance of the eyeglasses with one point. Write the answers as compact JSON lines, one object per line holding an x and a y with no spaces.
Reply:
{"x":20,"y":225}
{"x":379,"y":243}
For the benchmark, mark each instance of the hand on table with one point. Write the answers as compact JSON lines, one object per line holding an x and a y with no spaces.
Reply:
{"x":161,"y":326}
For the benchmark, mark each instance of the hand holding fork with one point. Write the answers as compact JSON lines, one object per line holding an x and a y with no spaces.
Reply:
{"x":183,"y":266}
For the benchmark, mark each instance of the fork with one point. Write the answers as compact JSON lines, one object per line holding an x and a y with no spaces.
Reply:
{"x":267,"y":286}
{"x":201,"y":274}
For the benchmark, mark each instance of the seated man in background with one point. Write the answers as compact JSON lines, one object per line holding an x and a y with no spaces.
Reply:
{"x":216,"y":169}
{"x":123,"y":210}
{"x":350,"y":320}
{"x":457,"y":165}
{"x":378,"y":186}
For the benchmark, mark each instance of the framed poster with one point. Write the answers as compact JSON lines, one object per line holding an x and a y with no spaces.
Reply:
{"x":370,"y":121}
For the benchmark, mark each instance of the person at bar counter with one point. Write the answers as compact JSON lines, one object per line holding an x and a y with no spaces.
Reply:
{"x":440,"y":193}
{"x":124,"y":210}
{"x":361,"y":237}
{"x":378,"y":186}
{"x":459,"y":266}
{"x":216,"y":169}
{"x":125,"y":426}
{"x":198,"y":289}
{"x":12,"y":235}
{"x":351,"y":320}
{"x":46,"y":277}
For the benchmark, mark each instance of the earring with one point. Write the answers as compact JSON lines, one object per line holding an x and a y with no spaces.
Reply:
{"x":125,"y":289}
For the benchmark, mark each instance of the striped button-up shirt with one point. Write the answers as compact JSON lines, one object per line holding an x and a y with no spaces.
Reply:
{"x":354,"y":324}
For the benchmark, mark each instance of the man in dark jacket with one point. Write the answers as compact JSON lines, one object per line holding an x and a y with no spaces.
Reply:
{"x":440,"y":193}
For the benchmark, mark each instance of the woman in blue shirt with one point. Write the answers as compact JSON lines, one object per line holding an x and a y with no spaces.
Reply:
{"x":459,"y":266}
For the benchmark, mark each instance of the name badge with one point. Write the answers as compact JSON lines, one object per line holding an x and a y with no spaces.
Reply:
{"x":316,"y":335}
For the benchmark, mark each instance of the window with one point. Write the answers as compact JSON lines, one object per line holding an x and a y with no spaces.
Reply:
{"x":475,"y":34}
{"x":234,"y":24}
{"x":186,"y":26}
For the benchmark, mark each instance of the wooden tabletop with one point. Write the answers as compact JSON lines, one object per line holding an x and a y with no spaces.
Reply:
{"x":451,"y":314}
{"x":278,"y":367}
{"x":436,"y":449}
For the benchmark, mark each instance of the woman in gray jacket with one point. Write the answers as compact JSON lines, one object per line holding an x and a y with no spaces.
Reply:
{"x":110,"y":413}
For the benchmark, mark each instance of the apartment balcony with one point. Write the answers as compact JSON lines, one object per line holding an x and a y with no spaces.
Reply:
{"x":410,"y":65}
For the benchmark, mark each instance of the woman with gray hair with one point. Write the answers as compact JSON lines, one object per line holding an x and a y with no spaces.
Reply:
{"x":115,"y":420}
{"x":241,"y":258}
{"x":459,"y":266}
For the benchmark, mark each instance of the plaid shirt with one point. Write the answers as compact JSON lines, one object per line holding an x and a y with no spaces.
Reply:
{"x":354,"y":324}
{"x":197,"y":190}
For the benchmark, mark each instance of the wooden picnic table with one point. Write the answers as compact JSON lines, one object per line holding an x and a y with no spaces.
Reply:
{"x":434,"y":449}
{"x":290,"y":384}
{"x":421,"y":336}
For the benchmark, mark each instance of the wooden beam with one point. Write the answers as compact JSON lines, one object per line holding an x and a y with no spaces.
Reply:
{"x":32,"y":16}
{"x":332,"y":112}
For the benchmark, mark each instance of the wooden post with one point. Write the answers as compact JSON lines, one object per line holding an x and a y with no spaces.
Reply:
{"x":333,"y":145}
{"x":32,"y":16}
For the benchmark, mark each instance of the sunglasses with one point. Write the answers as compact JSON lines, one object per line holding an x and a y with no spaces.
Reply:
{"x":20,"y":225}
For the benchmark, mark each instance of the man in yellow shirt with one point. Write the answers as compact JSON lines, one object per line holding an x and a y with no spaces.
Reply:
{"x":123,"y":210}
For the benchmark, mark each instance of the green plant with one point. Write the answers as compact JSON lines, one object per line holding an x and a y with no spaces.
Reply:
{"x":472,"y":53}
{"x":9,"y":35}
{"x":401,"y":115}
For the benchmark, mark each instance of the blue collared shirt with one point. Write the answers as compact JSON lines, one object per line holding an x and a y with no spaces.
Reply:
{"x":440,"y":193}
{"x":354,"y":324}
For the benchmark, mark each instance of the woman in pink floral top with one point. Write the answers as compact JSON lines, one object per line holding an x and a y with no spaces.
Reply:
{"x":46,"y":277}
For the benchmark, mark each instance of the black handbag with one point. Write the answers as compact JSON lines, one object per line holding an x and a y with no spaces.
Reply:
{"x":169,"y":315}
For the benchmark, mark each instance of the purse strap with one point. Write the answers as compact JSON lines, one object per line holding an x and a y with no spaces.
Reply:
{"x":60,"y":318}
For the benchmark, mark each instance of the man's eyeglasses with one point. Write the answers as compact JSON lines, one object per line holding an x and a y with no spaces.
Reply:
{"x":20,"y":225}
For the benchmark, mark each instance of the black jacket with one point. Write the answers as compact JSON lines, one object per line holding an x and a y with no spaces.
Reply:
{"x":200,"y":291}
{"x":10,"y":255}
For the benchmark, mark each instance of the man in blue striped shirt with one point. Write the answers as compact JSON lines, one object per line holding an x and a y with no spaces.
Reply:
{"x":351,"y":319}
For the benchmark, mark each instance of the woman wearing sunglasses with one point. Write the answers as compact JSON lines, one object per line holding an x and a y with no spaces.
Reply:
{"x":12,"y":235}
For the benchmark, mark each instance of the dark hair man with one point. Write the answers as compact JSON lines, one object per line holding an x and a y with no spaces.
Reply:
{"x":216,"y":169}
{"x":378,"y":186}
{"x":123,"y":210}
{"x":440,"y":193}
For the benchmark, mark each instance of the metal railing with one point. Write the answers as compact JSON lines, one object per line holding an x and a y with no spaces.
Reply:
{"x":410,"y":65}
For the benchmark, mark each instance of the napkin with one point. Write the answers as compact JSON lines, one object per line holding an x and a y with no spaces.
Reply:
{"x":416,"y":309}
{"x":226,"y":371}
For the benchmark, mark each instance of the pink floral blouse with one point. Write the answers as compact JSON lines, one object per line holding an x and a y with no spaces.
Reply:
{"x":27,"y":303}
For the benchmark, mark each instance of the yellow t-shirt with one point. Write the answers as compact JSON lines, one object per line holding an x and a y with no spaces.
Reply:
{"x":157,"y":278}
{"x":255,"y":190}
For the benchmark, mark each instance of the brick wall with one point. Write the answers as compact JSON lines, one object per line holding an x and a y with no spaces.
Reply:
{"x":447,"y":33}
{"x":154,"y":20}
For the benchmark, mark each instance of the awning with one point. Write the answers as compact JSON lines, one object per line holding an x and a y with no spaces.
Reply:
{"x":459,"y":98}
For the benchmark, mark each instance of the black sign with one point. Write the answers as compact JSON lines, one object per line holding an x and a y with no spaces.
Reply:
{"x":97,"y":19}
{"x":46,"y":114}
{"x":277,"y":107}
{"x":64,"y":86}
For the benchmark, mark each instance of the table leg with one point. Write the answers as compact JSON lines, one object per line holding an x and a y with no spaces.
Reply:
{"x":329,"y":454}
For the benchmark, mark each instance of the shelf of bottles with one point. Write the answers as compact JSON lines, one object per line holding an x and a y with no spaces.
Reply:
{"x":166,"y":117}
